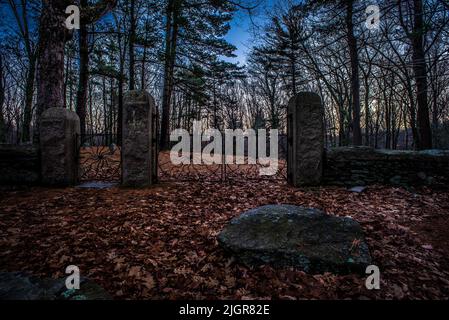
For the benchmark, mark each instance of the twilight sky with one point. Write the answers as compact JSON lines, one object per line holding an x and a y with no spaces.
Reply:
{"x":240,"y":34}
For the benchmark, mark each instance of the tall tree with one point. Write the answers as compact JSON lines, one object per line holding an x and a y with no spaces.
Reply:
{"x":355,"y":80}
{"x":53,"y":35}
{"x":83,"y":71}
{"x":23,"y":21}
{"x":417,"y":34}
{"x":2,"y":100}
{"x":194,"y":34}
{"x":90,"y":13}
{"x":284,"y":36}
{"x":50,"y":63}
{"x":172,"y":20}
{"x":131,"y":42}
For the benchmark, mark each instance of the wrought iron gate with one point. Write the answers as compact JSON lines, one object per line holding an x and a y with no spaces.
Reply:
{"x":99,"y":158}
{"x":167,"y":171}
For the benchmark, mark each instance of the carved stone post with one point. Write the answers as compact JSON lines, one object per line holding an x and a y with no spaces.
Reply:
{"x":59,"y":135}
{"x":305,"y":129}
{"x":138,"y":142}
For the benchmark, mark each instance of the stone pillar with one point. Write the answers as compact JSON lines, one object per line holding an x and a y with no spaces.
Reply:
{"x":59,"y":141}
{"x":305,"y":129}
{"x":138,"y":146}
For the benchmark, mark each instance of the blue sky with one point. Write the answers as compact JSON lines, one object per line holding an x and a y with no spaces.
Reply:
{"x":240,"y":34}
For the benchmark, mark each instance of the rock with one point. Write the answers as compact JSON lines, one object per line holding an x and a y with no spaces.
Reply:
{"x":357,"y":189}
{"x":430,"y":181}
{"x":20,"y":286}
{"x":305,"y":142}
{"x":59,"y":137}
{"x":19,"y":165}
{"x":286,"y":235}
{"x":396,"y":181}
{"x":138,"y":146}
{"x":100,"y":185}
{"x":422,"y":175}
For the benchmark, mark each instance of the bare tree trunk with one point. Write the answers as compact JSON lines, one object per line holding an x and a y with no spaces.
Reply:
{"x":355,"y":81}
{"x":143,"y":73}
{"x":50,"y":62}
{"x":144,"y":57}
{"x":170,"y":58}
{"x":120,"y":92}
{"x":91,"y":116}
{"x":2,"y":101}
{"x":420,"y":72}
{"x":21,"y":17}
{"x":81,"y":97}
{"x":29,"y":91}
{"x":132,"y":39}
{"x":367,"y":111}
{"x":387,"y":118}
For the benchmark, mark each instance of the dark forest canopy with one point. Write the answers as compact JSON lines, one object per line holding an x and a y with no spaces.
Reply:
{"x":385,"y":87}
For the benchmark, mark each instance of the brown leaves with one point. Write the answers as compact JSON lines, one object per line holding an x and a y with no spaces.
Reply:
{"x":148,"y":281}
{"x":134,"y":272}
{"x":159,"y":243}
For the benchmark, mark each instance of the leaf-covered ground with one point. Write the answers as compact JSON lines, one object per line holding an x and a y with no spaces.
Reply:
{"x":160,"y":242}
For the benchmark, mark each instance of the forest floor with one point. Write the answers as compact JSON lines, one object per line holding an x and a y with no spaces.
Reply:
{"x":160,"y":242}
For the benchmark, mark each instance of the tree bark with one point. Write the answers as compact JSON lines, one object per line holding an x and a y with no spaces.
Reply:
{"x":120,"y":90}
{"x":132,"y":39}
{"x":355,"y":81}
{"x":29,"y":91}
{"x":2,"y":100}
{"x":420,"y":73}
{"x":22,"y":23}
{"x":173,"y":8}
{"x":367,"y":112}
{"x":50,"y":62}
{"x":83,"y":72}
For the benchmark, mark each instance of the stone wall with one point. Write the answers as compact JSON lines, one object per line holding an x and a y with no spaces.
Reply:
{"x":359,"y":166}
{"x":19,"y":165}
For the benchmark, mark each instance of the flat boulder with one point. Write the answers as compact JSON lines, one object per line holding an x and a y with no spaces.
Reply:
{"x":308,"y":239}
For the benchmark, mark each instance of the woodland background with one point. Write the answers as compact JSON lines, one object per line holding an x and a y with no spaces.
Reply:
{"x":386,"y":88}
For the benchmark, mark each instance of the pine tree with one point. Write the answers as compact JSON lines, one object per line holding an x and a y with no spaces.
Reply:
{"x":194,"y":34}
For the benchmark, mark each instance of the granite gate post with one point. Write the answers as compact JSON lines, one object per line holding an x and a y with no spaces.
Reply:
{"x":59,"y":142}
{"x":305,"y":127}
{"x":139,"y":152}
